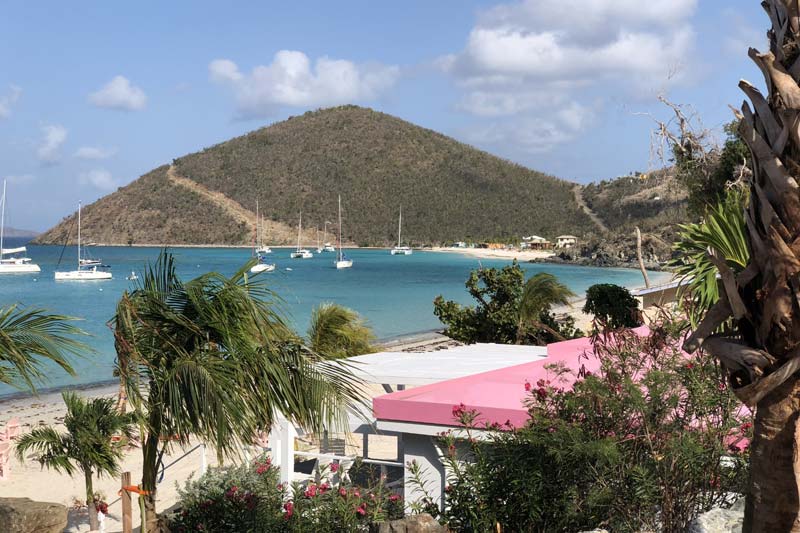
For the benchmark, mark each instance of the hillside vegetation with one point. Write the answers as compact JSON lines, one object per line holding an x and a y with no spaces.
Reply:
{"x":448,"y":190}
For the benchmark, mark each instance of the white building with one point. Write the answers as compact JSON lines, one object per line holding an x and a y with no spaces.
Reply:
{"x":566,"y":241}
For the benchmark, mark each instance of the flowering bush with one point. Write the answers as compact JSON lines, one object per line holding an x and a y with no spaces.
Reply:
{"x":250,"y":499}
{"x":646,"y":443}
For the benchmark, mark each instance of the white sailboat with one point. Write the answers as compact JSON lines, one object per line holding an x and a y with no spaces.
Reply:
{"x":326,"y":246}
{"x":260,"y":251}
{"x":341,"y":260}
{"x":16,"y":264}
{"x":300,"y":253}
{"x":319,"y":247}
{"x":400,"y":249}
{"x":88,"y":269}
{"x":261,"y":248}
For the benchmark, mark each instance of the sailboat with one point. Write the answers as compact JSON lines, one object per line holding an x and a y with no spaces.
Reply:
{"x":88,"y":269}
{"x":319,"y":247}
{"x":400,"y":249}
{"x":17,"y":264}
{"x":260,"y":251}
{"x":326,"y":246}
{"x":300,"y":253}
{"x":341,"y":260}
{"x":261,"y":248}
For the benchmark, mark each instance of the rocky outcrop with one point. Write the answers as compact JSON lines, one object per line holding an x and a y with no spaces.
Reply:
{"x":420,"y":523}
{"x":720,"y":520}
{"x":23,"y":515}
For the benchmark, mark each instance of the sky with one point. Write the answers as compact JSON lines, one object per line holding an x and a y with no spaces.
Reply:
{"x":94,"y":94}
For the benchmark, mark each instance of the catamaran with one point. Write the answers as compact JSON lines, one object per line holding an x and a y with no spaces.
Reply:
{"x":341,"y":260}
{"x":261,"y":248}
{"x":88,"y":269}
{"x":16,"y":264}
{"x":300,"y":253}
{"x":400,"y":249}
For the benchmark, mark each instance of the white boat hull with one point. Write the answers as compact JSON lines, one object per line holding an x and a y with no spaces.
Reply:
{"x":301,"y":254}
{"x":329,"y":249}
{"x":19,"y":268}
{"x":262,"y":267}
{"x":401,"y":251}
{"x":344,"y":263}
{"x":264,"y":250}
{"x":82,"y":275}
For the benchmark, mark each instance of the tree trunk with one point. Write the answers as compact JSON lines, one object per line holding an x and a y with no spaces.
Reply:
{"x":150,"y":456}
{"x":94,"y":523}
{"x":773,"y":503}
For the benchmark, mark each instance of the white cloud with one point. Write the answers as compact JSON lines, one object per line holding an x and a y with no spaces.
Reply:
{"x":291,"y":80}
{"x":53,"y":137}
{"x":19,"y":178}
{"x":119,"y":94}
{"x":9,"y":99}
{"x":94,"y":152}
{"x":99,"y":178}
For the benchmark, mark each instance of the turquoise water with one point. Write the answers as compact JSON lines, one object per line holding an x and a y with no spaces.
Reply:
{"x":394,"y":293}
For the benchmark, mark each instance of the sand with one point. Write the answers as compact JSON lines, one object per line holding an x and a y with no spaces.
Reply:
{"x":486,"y":253}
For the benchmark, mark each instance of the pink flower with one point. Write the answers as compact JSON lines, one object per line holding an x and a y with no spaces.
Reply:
{"x":356,"y":493}
{"x":311,"y":491}
{"x":343,"y":492}
{"x":394,"y":497}
{"x":459,"y":410}
{"x":746,"y":426}
{"x":361,"y":510}
{"x":324,"y":488}
{"x":334,"y":467}
{"x":289,"y":508}
{"x":527,"y":386}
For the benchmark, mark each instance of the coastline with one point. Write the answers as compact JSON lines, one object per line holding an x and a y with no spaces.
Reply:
{"x":487,"y":253}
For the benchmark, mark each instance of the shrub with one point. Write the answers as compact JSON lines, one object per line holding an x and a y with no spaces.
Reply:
{"x":650,"y":441}
{"x":249,"y":499}
{"x":612,"y":306}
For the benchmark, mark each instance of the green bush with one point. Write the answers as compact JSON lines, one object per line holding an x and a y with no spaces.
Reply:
{"x":645,"y":444}
{"x":249,"y":499}
{"x":612,"y":306}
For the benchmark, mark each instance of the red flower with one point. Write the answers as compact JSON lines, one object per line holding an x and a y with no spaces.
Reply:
{"x":343,"y":492}
{"x":459,"y":410}
{"x":746,"y":426}
{"x":324,"y":488}
{"x":689,"y":366}
{"x":394,"y":497}
{"x":289,"y":508}
{"x":361,"y":510}
{"x":541,"y":393}
{"x":334,"y":467}
{"x":356,"y":493}
{"x":451,"y":450}
{"x":527,"y":386}
{"x":311,"y":491}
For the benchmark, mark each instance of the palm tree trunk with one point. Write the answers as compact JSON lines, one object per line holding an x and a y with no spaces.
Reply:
{"x":94,"y":524}
{"x":773,"y":502}
{"x":149,"y":480}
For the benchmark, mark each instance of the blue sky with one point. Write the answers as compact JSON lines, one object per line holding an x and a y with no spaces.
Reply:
{"x":94,"y":94}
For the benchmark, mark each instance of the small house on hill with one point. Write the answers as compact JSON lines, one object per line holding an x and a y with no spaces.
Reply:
{"x":566,"y":241}
{"x":534,"y":242}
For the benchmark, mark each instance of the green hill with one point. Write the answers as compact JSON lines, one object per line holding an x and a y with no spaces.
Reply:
{"x":448,"y":190}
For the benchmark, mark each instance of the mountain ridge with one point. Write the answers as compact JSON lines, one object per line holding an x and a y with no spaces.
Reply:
{"x":449,"y":190}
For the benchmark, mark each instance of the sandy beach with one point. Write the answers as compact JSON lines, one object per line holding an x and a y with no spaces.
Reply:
{"x":487,"y":253}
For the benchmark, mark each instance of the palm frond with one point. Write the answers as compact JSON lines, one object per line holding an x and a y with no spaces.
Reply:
{"x":336,"y":331}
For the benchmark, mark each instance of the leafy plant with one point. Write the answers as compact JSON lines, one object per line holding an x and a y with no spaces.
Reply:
{"x":337,"y":332}
{"x":88,"y":445}
{"x":509,"y":309}
{"x":612,"y":306}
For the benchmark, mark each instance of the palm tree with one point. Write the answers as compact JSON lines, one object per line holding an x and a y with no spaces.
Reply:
{"x":761,"y":352}
{"x":31,"y":337}
{"x":213,"y":358}
{"x":86,"y":446}
{"x":337,"y":331}
{"x":539,"y":294}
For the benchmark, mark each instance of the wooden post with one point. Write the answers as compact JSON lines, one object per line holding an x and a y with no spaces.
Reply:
{"x":127,"y":513}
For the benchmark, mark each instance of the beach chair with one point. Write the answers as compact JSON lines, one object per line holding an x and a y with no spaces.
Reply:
{"x":5,"y":460}
{"x":12,"y":428}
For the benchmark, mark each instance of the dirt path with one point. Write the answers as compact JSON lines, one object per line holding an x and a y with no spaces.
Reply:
{"x":578,"y":192}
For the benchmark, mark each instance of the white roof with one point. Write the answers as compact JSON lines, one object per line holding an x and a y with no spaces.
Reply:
{"x":658,"y":288}
{"x":567,"y":237}
{"x":422,"y":368}
{"x":534,"y":238}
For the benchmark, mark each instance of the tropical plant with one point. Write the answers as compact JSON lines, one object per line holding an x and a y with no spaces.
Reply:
{"x":337,"y":331}
{"x":721,"y":236}
{"x":249,"y":499}
{"x":88,"y":446}
{"x":612,"y":306}
{"x":509,"y":310}
{"x":213,"y":358}
{"x":760,"y":349}
{"x":31,"y":337}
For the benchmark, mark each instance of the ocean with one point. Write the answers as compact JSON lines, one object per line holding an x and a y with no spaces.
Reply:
{"x":394,"y":293}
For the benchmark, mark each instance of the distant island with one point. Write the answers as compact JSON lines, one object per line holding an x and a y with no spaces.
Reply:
{"x":20,"y":233}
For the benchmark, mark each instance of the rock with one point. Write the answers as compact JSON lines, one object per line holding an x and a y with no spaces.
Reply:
{"x":720,"y":520}
{"x":420,"y":523}
{"x":23,"y":515}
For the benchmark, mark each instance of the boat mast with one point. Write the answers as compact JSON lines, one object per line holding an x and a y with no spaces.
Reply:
{"x":299,"y":230}
{"x":399,"y":227}
{"x":79,"y":235}
{"x":340,"y":227}
{"x":2,"y":219}
{"x":258,"y":231}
